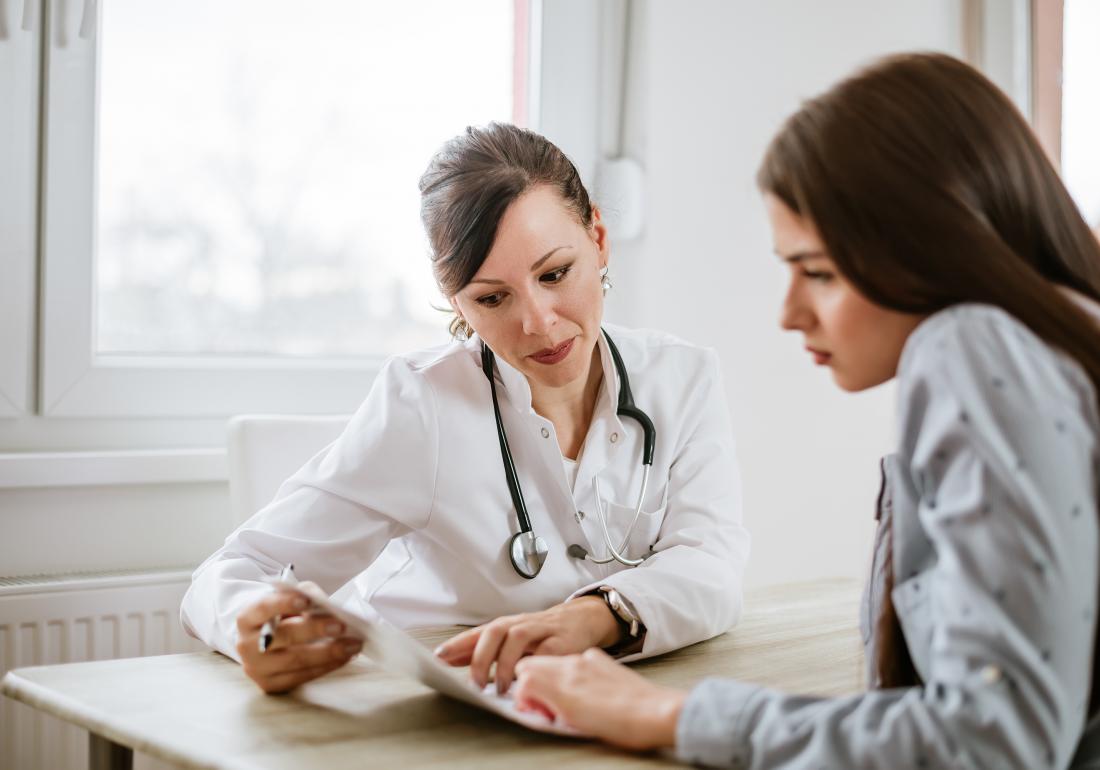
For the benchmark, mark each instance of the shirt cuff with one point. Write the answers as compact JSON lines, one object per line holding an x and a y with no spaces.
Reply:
{"x":711,"y":730}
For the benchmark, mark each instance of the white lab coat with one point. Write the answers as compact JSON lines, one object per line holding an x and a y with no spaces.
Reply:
{"x":411,"y":502}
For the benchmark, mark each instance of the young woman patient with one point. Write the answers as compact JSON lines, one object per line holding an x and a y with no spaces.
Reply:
{"x":927,"y":238}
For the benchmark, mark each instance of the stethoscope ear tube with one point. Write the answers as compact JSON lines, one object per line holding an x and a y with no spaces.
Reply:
{"x":505,"y":453}
{"x":627,"y":408}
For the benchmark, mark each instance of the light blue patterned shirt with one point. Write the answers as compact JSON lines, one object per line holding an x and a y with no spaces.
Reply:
{"x":993,"y":499}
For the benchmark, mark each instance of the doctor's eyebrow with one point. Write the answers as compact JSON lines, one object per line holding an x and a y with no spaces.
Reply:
{"x":538,"y":263}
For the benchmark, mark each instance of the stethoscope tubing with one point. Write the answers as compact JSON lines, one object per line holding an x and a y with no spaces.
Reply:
{"x":615,"y":555}
{"x":505,"y":453}
{"x":626,"y":408}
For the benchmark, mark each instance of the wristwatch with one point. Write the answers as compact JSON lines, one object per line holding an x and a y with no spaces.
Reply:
{"x":624,"y":614}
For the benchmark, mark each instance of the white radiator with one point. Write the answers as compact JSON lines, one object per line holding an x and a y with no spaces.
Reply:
{"x":72,"y":618}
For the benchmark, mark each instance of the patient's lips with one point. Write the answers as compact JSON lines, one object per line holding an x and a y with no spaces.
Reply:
{"x":820,"y":356}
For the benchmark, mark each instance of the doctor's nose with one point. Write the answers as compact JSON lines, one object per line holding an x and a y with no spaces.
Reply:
{"x":539,"y":316}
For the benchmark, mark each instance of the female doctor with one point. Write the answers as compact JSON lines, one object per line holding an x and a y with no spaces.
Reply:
{"x":557,"y":483}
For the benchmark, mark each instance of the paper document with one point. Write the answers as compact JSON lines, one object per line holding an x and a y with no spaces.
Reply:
{"x":397,"y":652}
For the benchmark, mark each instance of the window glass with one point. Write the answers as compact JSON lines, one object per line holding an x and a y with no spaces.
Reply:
{"x":1081,"y":105}
{"x":258,"y":166}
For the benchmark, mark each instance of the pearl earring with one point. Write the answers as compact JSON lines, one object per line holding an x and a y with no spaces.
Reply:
{"x":605,"y":282}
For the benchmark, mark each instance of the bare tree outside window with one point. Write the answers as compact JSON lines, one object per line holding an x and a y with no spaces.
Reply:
{"x":258,"y":165}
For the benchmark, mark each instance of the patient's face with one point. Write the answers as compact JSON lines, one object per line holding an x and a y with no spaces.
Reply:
{"x":858,"y":340}
{"x":537,"y":299}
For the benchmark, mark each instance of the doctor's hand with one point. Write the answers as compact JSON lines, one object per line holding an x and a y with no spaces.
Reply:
{"x":566,"y":628}
{"x":600,"y":698}
{"x":305,"y":646}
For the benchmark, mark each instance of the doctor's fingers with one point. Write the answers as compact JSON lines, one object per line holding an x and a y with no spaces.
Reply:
{"x":522,"y":639}
{"x":252,"y":617}
{"x":288,"y":680}
{"x":490,"y":641}
{"x":457,"y":650}
{"x":277,"y":664}
{"x":302,"y":629}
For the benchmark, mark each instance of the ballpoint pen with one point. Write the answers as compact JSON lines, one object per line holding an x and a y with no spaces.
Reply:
{"x":267,"y":630}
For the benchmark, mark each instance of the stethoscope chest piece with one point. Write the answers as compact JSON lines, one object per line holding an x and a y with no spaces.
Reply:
{"x":528,"y":552}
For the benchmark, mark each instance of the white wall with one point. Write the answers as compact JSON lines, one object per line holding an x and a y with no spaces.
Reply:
{"x":719,"y":78}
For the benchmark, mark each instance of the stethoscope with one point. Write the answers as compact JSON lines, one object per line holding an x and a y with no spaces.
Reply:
{"x":527,"y":550}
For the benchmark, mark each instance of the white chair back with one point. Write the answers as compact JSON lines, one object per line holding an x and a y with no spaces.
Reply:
{"x":265,"y":450}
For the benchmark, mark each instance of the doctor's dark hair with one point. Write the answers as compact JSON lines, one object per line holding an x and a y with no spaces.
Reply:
{"x":470,"y":183}
{"x":929,"y":189}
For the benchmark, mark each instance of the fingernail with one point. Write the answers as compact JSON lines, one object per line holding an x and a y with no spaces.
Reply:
{"x":334,"y":629}
{"x":501,"y":687}
{"x":440,"y":651}
{"x":300,"y":602}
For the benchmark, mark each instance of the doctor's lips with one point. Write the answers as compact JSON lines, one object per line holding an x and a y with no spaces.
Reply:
{"x":553,"y":355}
{"x":820,"y":357}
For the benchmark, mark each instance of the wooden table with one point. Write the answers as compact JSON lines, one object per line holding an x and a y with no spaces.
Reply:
{"x":199,"y":711}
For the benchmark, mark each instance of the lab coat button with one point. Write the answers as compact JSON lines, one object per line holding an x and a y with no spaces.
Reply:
{"x":579,"y":516}
{"x":614,"y":437}
{"x":991,"y":674}
{"x":545,"y":433}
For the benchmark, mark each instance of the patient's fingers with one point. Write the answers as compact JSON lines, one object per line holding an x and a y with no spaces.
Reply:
{"x":537,"y":684}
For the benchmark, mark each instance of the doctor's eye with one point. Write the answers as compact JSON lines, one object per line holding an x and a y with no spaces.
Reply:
{"x":490,"y":300}
{"x":556,"y":276}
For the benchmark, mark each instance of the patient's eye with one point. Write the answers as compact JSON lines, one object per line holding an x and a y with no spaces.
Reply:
{"x":821,"y":276}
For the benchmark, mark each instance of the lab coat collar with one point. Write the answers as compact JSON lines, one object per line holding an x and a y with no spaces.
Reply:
{"x":519,"y":389}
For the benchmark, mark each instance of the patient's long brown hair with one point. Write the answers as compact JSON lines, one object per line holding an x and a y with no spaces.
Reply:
{"x":928,"y":189}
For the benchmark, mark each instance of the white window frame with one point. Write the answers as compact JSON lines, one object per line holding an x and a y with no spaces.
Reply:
{"x":19,"y":56}
{"x":997,"y":39}
{"x":76,"y":382}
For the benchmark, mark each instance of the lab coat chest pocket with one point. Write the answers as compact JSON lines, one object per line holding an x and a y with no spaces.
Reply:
{"x":913,"y":605}
{"x":645,"y":532}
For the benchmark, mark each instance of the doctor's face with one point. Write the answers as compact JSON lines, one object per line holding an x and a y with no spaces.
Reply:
{"x":858,"y":340}
{"x":536,"y":299}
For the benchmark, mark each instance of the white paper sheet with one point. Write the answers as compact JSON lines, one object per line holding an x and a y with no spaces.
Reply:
{"x":397,"y":652}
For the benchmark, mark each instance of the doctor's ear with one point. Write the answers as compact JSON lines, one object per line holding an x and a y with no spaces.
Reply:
{"x":597,"y":231}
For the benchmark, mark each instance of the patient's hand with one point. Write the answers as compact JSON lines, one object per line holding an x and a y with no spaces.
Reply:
{"x":305,"y":646}
{"x":566,"y":628}
{"x":601,"y":698}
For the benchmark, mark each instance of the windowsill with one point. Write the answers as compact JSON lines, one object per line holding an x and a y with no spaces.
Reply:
{"x":112,"y":468}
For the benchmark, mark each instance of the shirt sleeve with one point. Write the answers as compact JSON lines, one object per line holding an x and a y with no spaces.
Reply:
{"x":334,"y":516}
{"x":690,"y":589}
{"x":999,"y":438}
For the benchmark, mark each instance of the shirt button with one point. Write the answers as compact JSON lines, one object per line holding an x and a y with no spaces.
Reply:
{"x":992,"y":674}
{"x":545,"y":433}
{"x":614,"y":437}
{"x":579,"y":516}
